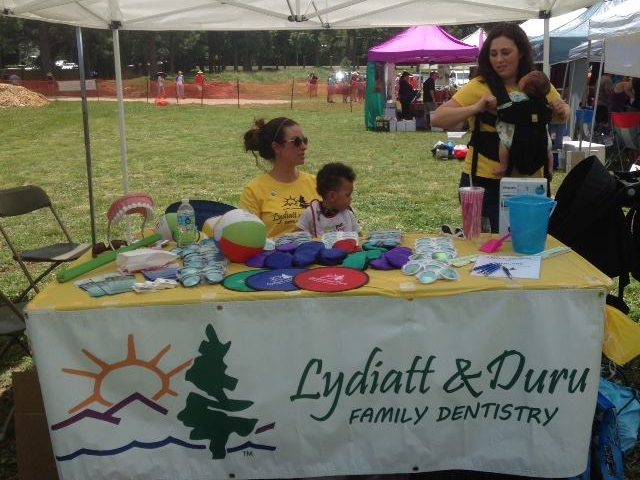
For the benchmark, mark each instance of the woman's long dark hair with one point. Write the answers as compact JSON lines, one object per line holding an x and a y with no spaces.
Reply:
{"x":513,"y":32}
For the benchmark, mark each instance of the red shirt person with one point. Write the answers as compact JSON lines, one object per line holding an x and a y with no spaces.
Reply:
{"x":200,"y":80}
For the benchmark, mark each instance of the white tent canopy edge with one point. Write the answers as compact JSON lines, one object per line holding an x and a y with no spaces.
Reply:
{"x":230,"y":15}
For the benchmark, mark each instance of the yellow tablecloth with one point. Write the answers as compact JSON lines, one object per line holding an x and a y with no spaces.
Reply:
{"x":564,"y":271}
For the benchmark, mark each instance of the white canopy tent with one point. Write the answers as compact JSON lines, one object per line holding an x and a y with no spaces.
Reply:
{"x":534,"y":27}
{"x":618,"y":24}
{"x":227,"y":15}
{"x":594,"y":51}
{"x":476,"y":38}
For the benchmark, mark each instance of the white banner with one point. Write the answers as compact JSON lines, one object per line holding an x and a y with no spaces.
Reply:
{"x":498,"y":381}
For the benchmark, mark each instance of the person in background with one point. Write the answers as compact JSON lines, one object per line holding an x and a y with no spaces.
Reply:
{"x":331,"y":87}
{"x":604,"y":92}
{"x":180,"y":85}
{"x":620,"y":97}
{"x":280,"y":195}
{"x":313,"y":85}
{"x":51,"y":84}
{"x":333,"y":212}
{"x":635,"y":90}
{"x":200,"y":80}
{"x":14,"y":79}
{"x":505,"y":57}
{"x":406,"y":93}
{"x":428,"y":98}
{"x":160,"y":84}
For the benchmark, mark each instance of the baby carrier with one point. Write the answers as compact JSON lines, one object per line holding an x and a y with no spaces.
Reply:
{"x":589,"y":218}
{"x":529,"y":148}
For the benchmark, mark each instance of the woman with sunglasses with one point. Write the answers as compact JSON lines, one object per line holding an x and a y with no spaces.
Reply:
{"x":280,"y":195}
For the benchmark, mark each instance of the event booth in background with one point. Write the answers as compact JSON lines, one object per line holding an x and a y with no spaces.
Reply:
{"x":565,"y":37}
{"x":424,"y":44}
{"x":561,"y":40}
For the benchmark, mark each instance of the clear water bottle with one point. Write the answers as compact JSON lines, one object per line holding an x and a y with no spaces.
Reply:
{"x":186,"y":218}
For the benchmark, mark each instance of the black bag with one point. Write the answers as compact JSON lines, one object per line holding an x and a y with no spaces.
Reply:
{"x":589,"y":218}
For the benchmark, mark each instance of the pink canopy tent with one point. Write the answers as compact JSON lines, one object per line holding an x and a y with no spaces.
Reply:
{"x":423,"y":44}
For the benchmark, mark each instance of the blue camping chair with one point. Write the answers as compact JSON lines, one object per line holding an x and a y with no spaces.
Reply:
{"x":204,"y":209}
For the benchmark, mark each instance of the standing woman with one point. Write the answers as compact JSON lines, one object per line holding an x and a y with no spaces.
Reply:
{"x":279,"y":196}
{"x":405,"y":95}
{"x":505,"y":57}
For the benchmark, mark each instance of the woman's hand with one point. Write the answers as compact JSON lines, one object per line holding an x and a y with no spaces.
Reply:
{"x":488,"y":102}
{"x":560,"y":109}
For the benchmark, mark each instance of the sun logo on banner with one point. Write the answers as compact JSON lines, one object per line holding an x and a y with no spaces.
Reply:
{"x":131,"y":363}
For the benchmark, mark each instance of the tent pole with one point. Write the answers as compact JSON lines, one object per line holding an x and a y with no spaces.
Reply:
{"x":123,"y":134}
{"x":546,"y":45}
{"x":595,"y":101}
{"x":585,"y":96}
{"x":87,"y":137}
{"x":567,"y":65}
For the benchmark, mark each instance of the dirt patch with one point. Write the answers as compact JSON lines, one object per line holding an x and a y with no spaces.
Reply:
{"x":17,"y":96}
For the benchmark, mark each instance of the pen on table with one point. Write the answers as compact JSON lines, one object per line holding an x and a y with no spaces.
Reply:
{"x":506,"y":272}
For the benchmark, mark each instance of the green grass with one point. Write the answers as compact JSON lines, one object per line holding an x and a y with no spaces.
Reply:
{"x":196,"y":152}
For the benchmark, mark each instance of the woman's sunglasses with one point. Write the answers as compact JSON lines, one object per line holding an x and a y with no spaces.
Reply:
{"x":102,"y":247}
{"x":297,"y":141}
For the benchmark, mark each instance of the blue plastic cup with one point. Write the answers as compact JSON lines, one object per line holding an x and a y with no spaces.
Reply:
{"x":529,"y":221}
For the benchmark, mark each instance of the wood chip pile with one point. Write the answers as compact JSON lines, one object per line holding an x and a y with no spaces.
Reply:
{"x":17,"y":96}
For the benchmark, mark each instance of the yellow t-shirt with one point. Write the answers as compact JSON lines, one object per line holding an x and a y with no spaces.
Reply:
{"x":278,"y":204}
{"x":470,"y":94}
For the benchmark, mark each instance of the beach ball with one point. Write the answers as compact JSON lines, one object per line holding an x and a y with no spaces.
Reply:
{"x":240,"y":235}
{"x":209,"y":225}
{"x":167,"y":226}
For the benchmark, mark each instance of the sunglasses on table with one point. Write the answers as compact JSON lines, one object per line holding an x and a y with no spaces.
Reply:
{"x":102,"y":247}
{"x":297,"y":141}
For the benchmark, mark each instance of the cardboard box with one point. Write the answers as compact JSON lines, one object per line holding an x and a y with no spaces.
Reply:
{"x":510,"y":187}
{"x":596,"y":149}
{"x":410,"y":125}
{"x":389,"y":112}
{"x":33,"y":444}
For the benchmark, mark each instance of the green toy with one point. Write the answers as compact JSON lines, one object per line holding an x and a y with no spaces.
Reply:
{"x":108,"y":257}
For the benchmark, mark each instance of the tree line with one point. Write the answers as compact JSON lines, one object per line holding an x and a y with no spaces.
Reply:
{"x":37,"y":45}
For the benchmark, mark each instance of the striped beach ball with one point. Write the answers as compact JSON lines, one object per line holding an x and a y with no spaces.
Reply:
{"x":240,"y":235}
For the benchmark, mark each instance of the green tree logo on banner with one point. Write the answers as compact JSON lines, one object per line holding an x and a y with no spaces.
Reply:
{"x":207,"y":416}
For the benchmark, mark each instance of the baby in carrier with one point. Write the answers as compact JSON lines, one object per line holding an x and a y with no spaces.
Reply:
{"x":525,"y":144}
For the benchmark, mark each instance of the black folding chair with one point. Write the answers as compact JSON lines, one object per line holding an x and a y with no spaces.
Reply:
{"x":12,"y":325}
{"x":24,"y":200}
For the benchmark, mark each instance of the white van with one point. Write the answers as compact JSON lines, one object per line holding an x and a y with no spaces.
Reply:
{"x":457,"y":78}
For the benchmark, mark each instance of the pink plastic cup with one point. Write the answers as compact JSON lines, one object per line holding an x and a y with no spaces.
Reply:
{"x":471,"y":205}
